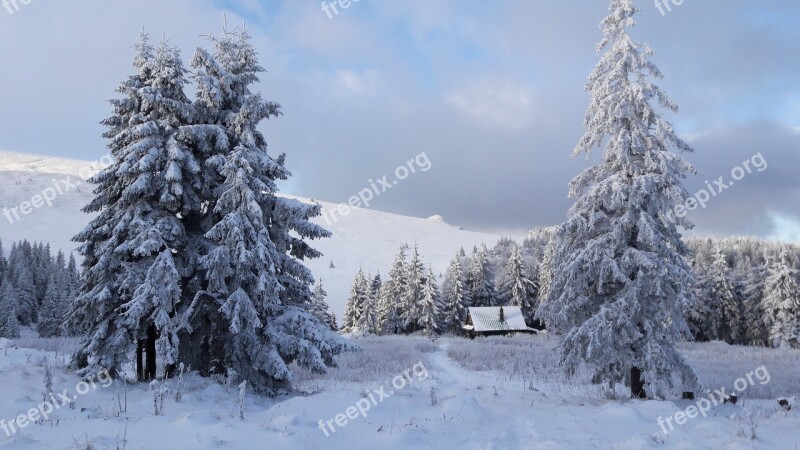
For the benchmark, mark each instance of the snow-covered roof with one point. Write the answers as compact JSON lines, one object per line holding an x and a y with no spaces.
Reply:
{"x":488,"y":319}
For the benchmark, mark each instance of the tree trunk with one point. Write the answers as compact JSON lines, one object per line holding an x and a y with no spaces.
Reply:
{"x":140,"y":360}
{"x":150,"y":349}
{"x":637,"y":383}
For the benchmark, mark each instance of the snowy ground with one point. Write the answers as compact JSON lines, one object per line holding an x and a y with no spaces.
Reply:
{"x":489,"y":394}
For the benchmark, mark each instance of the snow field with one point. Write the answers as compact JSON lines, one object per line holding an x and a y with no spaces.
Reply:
{"x":485,"y":398}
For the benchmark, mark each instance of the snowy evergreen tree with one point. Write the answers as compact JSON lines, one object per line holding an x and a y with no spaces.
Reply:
{"x":367,"y":322}
{"x":193,"y":257}
{"x":619,"y":277}
{"x":3,"y":263}
{"x":392,"y":295}
{"x":9,"y":324}
{"x":782,"y":303}
{"x":375,"y":286}
{"x":359,"y":294}
{"x":320,"y":308}
{"x":517,"y":289}
{"x":53,"y":311}
{"x":454,"y":297}
{"x":255,"y":281}
{"x":480,"y":280}
{"x":755,"y":318}
{"x":428,"y":320}
{"x":723,"y":289}
{"x":27,"y":303}
{"x":704,"y":313}
{"x":412,"y":300}
{"x":139,"y":199}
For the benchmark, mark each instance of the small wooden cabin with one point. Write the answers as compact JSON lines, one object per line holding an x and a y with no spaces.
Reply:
{"x":495,"y":321}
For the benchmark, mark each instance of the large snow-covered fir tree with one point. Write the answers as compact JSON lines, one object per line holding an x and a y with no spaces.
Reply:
{"x":193,"y":257}
{"x":252,"y":306}
{"x":619,"y":276}
{"x":454,"y":297}
{"x":138,"y":198}
{"x":781,"y":303}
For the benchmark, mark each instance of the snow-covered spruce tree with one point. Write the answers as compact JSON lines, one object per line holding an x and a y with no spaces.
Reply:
{"x":454,"y":297}
{"x":429,"y":307}
{"x":782,"y":303}
{"x":755,"y":318}
{"x":319,"y":307}
{"x":3,"y":263}
{"x":251,"y":312}
{"x":724,"y":289}
{"x":393,"y":291}
{"x":367,"y":322}
{"x":704,"y":313}
{"x":375,"y":285}
{"x":517,"y":289}
{"x":480,"y":279}
{"x":412,"y":300}
{"x":27,"y":303}
{"x":359,"y":294}
{"x":138,"y":201}
{"x":619,"y":276}
{"x":52,"y":313}
{"x":9,"y":324}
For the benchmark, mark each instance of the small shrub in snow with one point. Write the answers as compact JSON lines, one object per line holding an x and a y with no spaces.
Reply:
{"x":242,"y":393}
{"x":179,"y":388}
{"x":160,"y":392}
{"x":48,"y":381}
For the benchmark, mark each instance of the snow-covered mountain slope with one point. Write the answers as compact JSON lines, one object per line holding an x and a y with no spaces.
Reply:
{"x":362,"y":238}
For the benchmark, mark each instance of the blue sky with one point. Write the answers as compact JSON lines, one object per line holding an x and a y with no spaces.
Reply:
{"x":491,"y":91}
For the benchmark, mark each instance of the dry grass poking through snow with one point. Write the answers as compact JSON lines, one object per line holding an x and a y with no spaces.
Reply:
{"x":533,"y":360}
{"x":719,"y":364}
{"x":516,"y":358}
{"x":529,"y":362}
{"x":381,"y":358}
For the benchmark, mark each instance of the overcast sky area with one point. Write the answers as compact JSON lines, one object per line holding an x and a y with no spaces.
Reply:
{"x":491,"y":91}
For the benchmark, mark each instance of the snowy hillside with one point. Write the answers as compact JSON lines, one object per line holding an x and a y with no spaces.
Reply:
{"x":362,"y":238}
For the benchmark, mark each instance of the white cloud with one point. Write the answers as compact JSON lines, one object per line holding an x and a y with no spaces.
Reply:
{"x":502,"y":103}
{"x":786,"y":229}
{"x":364,"y":82}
